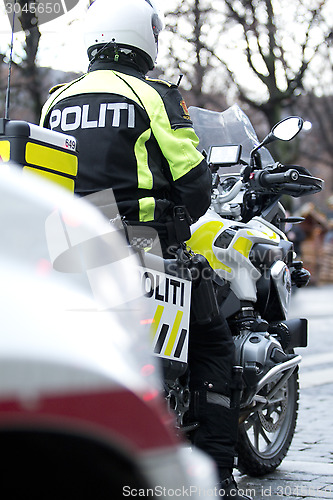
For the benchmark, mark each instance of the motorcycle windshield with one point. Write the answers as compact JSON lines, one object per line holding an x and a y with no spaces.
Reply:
{"x":231,"y":126}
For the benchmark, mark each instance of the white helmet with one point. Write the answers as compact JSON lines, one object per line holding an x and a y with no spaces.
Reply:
{"x":130,"y":24}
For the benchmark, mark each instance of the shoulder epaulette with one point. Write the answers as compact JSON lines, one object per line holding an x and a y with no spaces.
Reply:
{"x":56,"y":87}
{"x":164,"y":82}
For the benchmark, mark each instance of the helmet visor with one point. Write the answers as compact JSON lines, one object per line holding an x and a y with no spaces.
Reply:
{"x":158,"y":17}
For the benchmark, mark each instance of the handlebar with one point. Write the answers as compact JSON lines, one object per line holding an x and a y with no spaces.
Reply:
{"x":263,"y":178}
{"x":230,"y":195}
{"x":295,"y":182}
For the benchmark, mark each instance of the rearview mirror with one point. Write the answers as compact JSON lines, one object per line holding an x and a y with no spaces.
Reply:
{"x":287,"y":129}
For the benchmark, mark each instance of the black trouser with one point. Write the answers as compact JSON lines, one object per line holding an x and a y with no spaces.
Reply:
{"x":211,"y":361}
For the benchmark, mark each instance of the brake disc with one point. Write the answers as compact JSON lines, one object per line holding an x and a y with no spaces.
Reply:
{"x":279,"y":409}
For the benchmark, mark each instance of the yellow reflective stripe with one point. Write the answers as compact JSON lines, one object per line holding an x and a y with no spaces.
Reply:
{"x":156,"y":321}
{"x":202,"y":241}
{"x":271,"y":234}
{"x":168,"y":84}
{"x":145,"y":177}
{"x":4,"y":150}
{"x":102,"y":81}
{"x":146,"y":209}
{"x":243,"y":246}
{"x":178,"y":146}
{"x":173,"y":334}
{"x":65,"y":182}
{"x":59,"y":161}
{"x":54,"y":98}
{"x":268,"y":232}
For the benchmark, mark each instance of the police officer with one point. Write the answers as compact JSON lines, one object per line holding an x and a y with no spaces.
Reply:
{"x":135,"y":136}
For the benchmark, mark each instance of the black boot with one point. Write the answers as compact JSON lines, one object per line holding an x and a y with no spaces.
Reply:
{"x":217,"y":431}
{"x":228,"y":489}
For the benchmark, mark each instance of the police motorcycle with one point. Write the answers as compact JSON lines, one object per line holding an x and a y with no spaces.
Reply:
{"x":249,"y":278}
{"x":242,"y":236}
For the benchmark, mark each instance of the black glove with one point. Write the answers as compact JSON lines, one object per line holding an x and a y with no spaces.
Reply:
{"x":299,"y":275}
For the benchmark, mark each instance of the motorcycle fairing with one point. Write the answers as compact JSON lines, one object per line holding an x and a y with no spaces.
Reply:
{"x":274,"y":292}
{"x":231,"y":260}
{"x":282,"y":282}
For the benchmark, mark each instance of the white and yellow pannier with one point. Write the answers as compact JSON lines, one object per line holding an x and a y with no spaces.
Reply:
{"x":49,"y":154}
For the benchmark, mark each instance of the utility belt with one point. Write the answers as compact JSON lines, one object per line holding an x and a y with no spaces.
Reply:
{"x":204,"y":306}
{"x":174,"y":230}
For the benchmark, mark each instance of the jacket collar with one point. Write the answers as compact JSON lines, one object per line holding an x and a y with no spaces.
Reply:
{"x":128,"y":69}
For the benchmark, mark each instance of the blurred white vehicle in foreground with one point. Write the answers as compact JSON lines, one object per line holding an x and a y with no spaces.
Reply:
{"x":80,"y":408}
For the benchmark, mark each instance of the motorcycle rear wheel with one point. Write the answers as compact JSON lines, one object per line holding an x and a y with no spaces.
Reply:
{"x":265,"y":435}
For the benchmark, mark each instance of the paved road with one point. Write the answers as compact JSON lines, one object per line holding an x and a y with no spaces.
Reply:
{"x":307,"y":471}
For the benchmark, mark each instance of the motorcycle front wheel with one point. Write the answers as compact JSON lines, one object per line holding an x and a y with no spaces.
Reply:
{"x":265,"y":435}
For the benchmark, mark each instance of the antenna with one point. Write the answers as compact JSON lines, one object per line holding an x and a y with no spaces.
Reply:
{"x":10,"y":68}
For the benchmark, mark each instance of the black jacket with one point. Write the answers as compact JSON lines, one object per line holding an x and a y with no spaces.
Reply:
{"x":135,"y":136}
